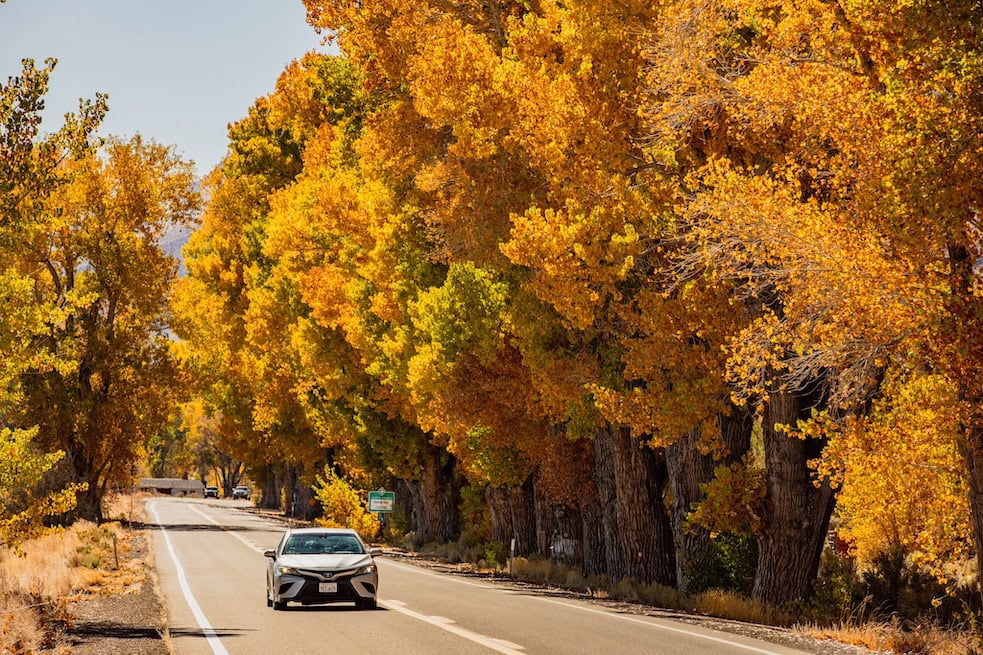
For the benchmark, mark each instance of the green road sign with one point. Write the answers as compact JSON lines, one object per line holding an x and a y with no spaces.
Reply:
{"x":381,"y":501}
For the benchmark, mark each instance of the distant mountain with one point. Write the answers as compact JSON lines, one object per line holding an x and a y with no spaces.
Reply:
{"x":172,"y":243}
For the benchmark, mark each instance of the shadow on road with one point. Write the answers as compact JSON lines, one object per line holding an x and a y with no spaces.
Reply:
{"x":214,"y":632}
{"x":198,"y":527}
{"x":329,"y":608}
{"x":109,"y":630}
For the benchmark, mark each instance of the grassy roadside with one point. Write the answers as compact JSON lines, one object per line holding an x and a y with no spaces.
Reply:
{"x":42,"y":580}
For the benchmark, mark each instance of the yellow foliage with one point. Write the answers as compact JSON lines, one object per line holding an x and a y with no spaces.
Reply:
{"x":342,"y":506}
{"x":902,"y":481}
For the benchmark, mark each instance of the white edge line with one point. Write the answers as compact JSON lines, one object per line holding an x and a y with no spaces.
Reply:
{"x":498,"y":645}
{"x":217,"y":647}
{"x":447,"y":577}
{"x":660,"y":626}
{"x":226,"y":529}
{"x":608,"y":613}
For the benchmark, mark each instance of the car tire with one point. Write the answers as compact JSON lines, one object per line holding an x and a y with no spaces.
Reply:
{"x":278,"y":606}
{"x":366,"y":604}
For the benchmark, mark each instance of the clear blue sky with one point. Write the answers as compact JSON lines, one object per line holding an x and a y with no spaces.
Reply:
{"x":176,"y":71}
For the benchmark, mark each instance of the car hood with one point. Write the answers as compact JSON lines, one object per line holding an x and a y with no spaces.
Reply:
{"x":337,"y":562}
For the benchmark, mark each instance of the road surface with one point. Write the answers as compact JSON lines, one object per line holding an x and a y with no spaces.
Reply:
{"x":209,"y":555}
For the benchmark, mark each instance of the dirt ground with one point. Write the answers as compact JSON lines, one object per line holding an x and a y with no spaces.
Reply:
{"x":124,"y":624}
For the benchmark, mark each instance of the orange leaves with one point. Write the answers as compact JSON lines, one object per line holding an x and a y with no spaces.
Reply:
{"x":902,"y":480}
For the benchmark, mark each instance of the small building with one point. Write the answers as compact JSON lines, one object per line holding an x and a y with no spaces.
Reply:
{"x":172,"y":486}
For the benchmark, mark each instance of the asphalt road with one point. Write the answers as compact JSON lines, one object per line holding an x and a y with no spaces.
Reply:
{"x":209,"y":556}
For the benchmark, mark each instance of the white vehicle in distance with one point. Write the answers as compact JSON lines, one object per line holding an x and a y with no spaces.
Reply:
{"x":242,"y":491}
{"x":312,"y":566}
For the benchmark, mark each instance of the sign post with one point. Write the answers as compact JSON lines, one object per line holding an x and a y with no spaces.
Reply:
{"x":382,"y":502}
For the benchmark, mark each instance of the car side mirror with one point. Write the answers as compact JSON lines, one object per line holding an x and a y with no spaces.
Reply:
{"x":375,"y":551}
{"x":269,"y":553}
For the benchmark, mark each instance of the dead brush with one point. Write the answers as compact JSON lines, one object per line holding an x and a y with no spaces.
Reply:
{"x":730,"y":605}
{"x":39,"y":580}
{"x":891,"y":636}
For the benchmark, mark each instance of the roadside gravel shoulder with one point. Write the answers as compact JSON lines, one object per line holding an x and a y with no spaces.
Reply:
{"x":132,"y":622}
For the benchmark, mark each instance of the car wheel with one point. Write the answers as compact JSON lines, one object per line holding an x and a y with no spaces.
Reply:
{"x":278,"y":606}
{"x":366,"y":603}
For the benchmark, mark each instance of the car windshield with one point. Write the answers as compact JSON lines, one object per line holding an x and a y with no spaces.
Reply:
{"x":323,"y":544}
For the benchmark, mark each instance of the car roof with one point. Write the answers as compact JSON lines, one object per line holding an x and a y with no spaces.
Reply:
{"x":322,"y":531}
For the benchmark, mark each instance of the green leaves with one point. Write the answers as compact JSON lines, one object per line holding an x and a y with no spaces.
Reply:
{"x":463,"y":315}
{"x":24,"y":503}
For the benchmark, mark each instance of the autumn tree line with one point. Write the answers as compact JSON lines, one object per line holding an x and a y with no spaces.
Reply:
{"x":644,"y":279}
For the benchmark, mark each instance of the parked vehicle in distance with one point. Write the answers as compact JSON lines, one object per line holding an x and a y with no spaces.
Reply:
{"x":242,"y":491}
{"x":313,"y":566}
{"x":211,"y":492}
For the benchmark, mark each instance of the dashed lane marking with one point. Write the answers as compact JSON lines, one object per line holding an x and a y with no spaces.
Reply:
{"x":448,"y":625}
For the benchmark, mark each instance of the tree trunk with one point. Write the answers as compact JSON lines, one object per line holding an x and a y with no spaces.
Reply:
{"x":290,"y":492}
{"x":307,"y":507}
{"x":591,"y":524}
{"x":593,"y":536}
{"x":795,"y":516}
{"x":641,"y":478}
{"x":89,"y":502}
{"x":689,"y":469}
{"x":513,"y":516}
{"x":972,"y":451}
{"x":607,"y":490}
{"x":270,"y":497}
{"x":439,"y":514}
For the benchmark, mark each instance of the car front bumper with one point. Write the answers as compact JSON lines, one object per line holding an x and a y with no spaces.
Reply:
{"x":307,"y":590}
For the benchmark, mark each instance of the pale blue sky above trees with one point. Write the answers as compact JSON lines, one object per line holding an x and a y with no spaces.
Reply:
{"x":176,"y":71}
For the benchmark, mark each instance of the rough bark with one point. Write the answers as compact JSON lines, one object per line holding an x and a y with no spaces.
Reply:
{"x":88,"y":504}
{"x":796,"y":512}
{"x":607,"y":505}
{"x":963,"y":357}
{"x":645,"y":526}
{"x":437,"y":513}
{"x":591,"y":527}
{"x":593,"y":536}
{"x":513,"y":516}
{"x":559,"y":530}
{"x":972,"y":451}
{"x":272,"y":484}
{"x":307,"y":506}
{"x":689,"y":469}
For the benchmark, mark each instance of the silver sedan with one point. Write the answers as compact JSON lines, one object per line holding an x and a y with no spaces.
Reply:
{"x":321,"y":565}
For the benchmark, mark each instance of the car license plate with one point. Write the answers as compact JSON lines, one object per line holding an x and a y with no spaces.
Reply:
{"x":327,"y":587}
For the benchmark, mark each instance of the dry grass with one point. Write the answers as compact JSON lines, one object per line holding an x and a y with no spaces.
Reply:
{"x":891,"y":637}
{"x":38,"y":581}
{"x":125,"y":508}
{"x":729,"y":605}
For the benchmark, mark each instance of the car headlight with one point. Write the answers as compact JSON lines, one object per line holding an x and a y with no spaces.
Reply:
{"x":366,"y":569}
{"x":286,"y":570}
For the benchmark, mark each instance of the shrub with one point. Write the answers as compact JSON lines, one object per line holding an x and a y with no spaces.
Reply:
{"x":342,"y":506}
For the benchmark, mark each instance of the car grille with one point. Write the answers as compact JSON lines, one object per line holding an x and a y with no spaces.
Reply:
{"x":327,"y":576}
{"x":309,"y":593}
